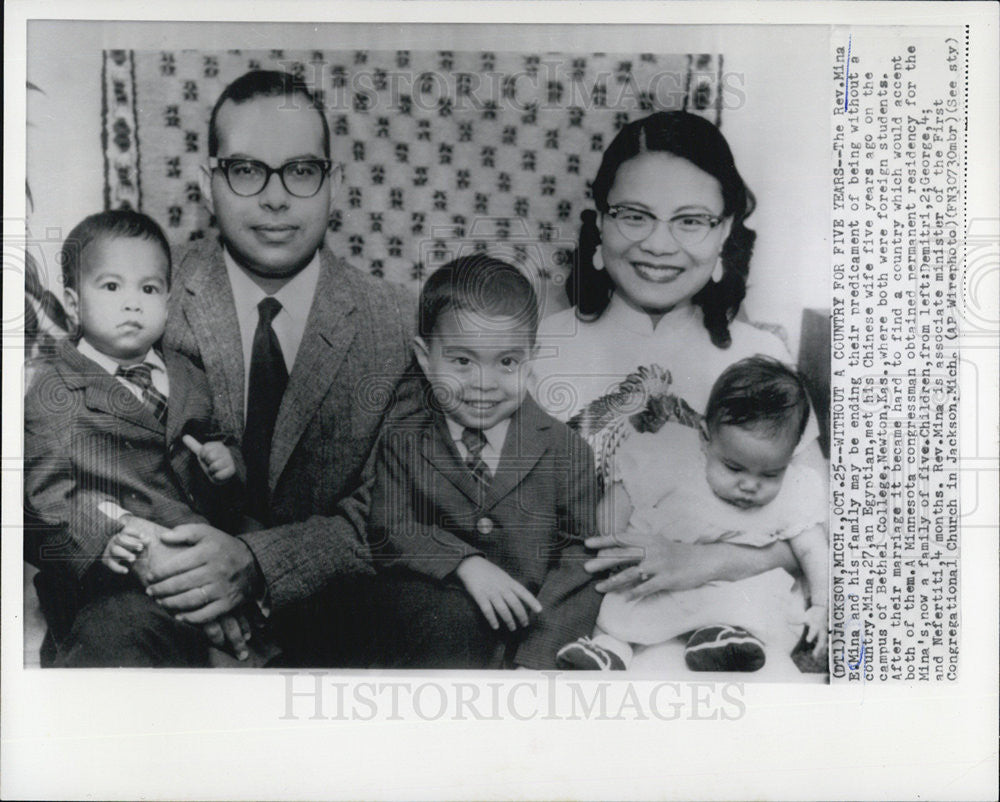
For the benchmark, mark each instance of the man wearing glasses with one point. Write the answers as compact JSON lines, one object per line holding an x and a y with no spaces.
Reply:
{"x":302,"y":352}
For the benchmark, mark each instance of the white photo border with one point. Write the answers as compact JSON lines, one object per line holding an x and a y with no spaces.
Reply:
{"x":228,"y":735}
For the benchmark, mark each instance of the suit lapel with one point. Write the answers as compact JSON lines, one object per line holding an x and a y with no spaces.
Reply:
{"x":522,"y":449}
{"x":113,"y":398}
{"x":177,"y":414}
{"x":329,"y":332}
{"x":211,"y":311}
{"x":176,"y":400}
{"x":103,"y":393}
{"x":442,"y":453}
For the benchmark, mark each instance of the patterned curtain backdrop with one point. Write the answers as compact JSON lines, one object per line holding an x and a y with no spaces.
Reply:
{"x":443,"y":152}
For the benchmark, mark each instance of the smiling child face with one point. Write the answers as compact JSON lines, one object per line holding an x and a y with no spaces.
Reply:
{"x":477,"y":365}
{"x":121,"y":302}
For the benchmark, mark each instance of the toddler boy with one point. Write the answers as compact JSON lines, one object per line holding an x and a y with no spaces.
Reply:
{"x":482,"y":500}
{"x":111,"y":429}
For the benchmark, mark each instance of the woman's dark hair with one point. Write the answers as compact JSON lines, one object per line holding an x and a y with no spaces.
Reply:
{"x":701,"y":143}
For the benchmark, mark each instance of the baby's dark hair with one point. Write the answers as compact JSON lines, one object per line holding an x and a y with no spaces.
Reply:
{"x":759,"y":393}
{"x":113,"y":224}
{"x":265,"y":83}
{"x":481,"y":284}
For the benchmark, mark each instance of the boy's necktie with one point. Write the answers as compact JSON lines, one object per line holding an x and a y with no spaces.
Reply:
{"x":475,"y":441}
{"x":142,"y":377}
{"x":268,"y":379}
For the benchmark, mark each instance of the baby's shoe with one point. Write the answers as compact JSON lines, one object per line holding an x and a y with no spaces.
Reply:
{"x":723,"y":648}
{"x":584,"y":654}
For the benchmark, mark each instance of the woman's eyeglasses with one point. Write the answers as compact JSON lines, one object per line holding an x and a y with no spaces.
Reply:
{"x":687,"y":229}
{"x":247,"y":177}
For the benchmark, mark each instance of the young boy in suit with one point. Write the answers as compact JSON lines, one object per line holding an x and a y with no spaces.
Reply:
{"x":482,"y":500}
{"x":111,"y":431}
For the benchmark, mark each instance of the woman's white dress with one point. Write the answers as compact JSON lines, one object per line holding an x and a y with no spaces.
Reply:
{"x":579,"y":361}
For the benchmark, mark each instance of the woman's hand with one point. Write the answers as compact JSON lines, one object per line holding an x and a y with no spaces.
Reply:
{"x":613,"y":552}
{"x":650,"y":564}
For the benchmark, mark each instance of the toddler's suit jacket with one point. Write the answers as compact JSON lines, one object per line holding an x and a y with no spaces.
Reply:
{"x":89,"y":439}
{"x":429,"y":513}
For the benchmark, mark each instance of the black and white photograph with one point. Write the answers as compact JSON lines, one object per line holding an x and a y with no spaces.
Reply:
{"x":619,"y":466}
{"x":424,"y":370}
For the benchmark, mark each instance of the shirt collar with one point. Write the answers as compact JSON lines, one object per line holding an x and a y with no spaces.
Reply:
{"x":295,"y":295}
{"x":151,"y":358}
{"x":620,"y":315}
{"x":494,"y":435}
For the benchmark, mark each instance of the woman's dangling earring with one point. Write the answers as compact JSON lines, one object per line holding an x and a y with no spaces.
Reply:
{"x":598,"y":260}
{"x":719,"y":271}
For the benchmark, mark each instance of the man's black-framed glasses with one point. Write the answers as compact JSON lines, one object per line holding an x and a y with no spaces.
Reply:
{"x":247,"y":177}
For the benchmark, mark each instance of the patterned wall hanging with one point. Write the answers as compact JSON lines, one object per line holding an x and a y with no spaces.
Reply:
{"x":443,"y":151}
{"x":119,"y":121}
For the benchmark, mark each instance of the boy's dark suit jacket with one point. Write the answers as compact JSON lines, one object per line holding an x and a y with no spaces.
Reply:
{"x":89,"y":439}
{"x":429,"y":513}
{"x":355,"y":347}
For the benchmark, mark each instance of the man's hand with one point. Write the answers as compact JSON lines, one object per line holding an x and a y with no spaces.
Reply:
{"x":148,"y":563}
{"x":231,"y":629}
{"x":212,"y":576}
{"x":497,"y":593}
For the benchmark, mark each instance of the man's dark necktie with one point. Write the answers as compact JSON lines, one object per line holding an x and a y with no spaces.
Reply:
{"x":474,"y":441}
{"x":268,"y":379}
{"x":142,"y":377}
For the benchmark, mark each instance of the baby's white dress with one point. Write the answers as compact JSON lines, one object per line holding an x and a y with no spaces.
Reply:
{"x":664,"y":475}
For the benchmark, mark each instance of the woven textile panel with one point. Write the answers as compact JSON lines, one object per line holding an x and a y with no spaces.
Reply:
{"x":443,"y":152}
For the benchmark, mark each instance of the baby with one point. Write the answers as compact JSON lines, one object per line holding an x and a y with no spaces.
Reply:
{"x":731,"y":481}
